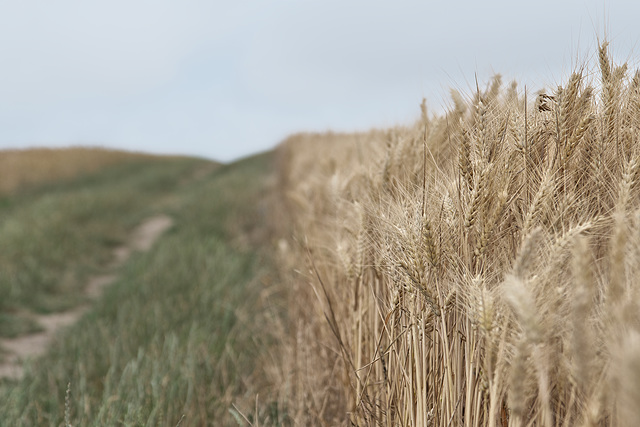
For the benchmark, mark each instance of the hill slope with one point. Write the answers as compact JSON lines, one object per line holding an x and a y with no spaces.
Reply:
{"x":178,"y":335}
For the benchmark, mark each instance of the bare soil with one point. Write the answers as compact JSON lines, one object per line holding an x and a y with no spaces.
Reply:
{"x":32,"y":345}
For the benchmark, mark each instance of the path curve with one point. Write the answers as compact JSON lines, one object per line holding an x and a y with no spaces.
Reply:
{"x":33,"y":345}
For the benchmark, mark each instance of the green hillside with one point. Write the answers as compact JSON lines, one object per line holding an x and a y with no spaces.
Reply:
{"x":175,"y":339}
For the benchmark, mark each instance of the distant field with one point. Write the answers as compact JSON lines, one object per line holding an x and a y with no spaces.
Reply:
{"x":21,"y":169}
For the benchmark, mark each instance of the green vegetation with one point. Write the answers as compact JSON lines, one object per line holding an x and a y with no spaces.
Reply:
{"x":53,"y":236}
{"x":176,"y":338}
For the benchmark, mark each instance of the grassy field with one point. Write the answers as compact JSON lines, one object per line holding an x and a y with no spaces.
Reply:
{"x":178,"y":337}
{"x":54,"y":235}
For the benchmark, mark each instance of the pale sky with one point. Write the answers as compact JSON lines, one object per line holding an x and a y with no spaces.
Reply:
{"x":226,"y":79}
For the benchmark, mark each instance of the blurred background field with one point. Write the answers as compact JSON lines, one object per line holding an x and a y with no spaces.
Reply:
{"x":20,"y":169}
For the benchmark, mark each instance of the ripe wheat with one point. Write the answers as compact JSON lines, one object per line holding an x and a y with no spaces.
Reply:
{"x":474,"y":269}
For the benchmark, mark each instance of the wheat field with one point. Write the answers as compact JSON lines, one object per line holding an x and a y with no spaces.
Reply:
{"x":476,"y":268}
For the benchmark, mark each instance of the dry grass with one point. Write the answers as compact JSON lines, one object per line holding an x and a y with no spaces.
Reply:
{"x":24,"y":168}
{"x":474,"y":269}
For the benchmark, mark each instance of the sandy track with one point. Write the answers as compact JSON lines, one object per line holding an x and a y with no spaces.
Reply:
{"x":33,"y":345}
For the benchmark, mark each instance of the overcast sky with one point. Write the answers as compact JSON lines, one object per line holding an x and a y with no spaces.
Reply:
{"x":223,"y":79}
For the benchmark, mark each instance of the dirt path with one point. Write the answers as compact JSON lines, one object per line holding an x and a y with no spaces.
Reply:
{"x":33,"y":345}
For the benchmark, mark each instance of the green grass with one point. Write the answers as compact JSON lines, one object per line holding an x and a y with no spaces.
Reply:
{"x":180,"y":334}
{"x":54,"y":236}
